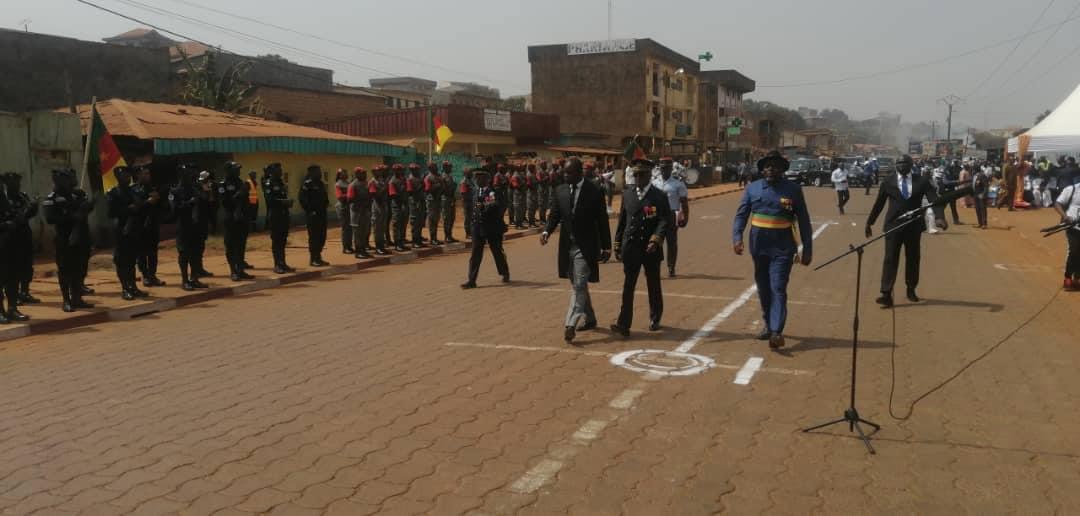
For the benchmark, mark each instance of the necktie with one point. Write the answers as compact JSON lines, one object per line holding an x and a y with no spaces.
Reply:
{"x":573,"y":199}
{"x":904,"y":188}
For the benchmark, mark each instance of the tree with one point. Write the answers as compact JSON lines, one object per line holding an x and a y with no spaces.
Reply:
{"x":513,"y":104}
{"x":225,"y":91}
{"x":1042,"y":116}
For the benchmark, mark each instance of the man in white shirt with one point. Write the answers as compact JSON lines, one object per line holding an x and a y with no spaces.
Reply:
{"x":840,"y":183}
{"x":678,"y":201}
{"x":1068,"y":207}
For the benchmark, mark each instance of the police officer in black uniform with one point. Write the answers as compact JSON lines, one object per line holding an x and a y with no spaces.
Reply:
{"x":10,"y":221}
{"x":233,"y":195}
{"x":126,"y":209}
{"x":314,"y":199}
{"x":67,"y":208}
{"x":22,"y":208}
{"x":278,"y":204}
{"x":191,"y":211}
{"x":150,"y":226}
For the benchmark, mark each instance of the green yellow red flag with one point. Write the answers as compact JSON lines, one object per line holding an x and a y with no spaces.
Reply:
{"x":442,"y":133}
{"x":104,"y":154}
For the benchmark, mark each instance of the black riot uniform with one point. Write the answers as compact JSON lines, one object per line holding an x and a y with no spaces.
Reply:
{"x":67,"y":209}
{"x":191,"y":211}
{"x":149,"y":221}
{"x":233,"y":192}
{"x":314,"y":199}
{"x":21,"y":241}
{"x":278,"y":204}
{"x":11,"y":220}
{"x":125,"y":210}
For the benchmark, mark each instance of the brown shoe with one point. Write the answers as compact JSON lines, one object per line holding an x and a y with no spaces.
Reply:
{"x":776,"y":341}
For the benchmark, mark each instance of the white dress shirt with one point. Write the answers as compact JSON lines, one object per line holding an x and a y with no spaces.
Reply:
{"x":840,"y":179}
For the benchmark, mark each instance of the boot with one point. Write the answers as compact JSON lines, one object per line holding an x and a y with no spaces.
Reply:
{"x":86,"y":291}
{"x":65,"y":292}
{"x":77,"y":301}
{"x":279,"y":269}
{"x":13,"y":313}
{"x":24,"y":295}
{"x":195,"y":283}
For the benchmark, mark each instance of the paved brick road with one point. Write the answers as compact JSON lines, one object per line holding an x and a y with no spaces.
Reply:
{"x":393,"y":391}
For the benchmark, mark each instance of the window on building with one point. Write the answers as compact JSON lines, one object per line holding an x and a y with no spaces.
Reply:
{"x":690,"y":90}
{"x":398,"y":102}
{"x":656,"y":83}
{"x":656,"y":116}
{"x":389,"y":102}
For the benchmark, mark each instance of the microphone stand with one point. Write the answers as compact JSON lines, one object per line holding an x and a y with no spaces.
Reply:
{"x":851,"y":415}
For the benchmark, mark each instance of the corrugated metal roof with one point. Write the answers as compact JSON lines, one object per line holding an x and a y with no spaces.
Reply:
{"x":185,"y":129}
{"x":586,"y":150}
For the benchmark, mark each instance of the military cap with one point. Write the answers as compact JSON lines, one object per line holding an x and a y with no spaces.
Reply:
{"x":773,"y":156}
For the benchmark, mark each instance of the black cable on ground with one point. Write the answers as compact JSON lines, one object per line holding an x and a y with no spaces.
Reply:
{"x":991,"y":349}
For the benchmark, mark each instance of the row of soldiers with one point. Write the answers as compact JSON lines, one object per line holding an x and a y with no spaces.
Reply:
{"x":528,"y":188}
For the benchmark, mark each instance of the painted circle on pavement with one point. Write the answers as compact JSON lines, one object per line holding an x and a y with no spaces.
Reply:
{"x":661,"y":362}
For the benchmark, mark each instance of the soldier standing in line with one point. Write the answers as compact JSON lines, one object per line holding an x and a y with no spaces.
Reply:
{"x":253,"y":209}
{"x":500,"y":184}
{"x":314,"y":199}
{"x":23,"y":209}
{"x":433,"y":189}
{"x":414,"y":186}
{"x":466,"y":190}
{"x":360,"y":212}
{"x":190,"y":211}
{"x":543,"y":188}
{"x":212,"y":203}
{"x":126,"y":210}
{"x":517,"y":192}
{"x":399,"y":207}
{"x":68,"y":208}
{"x":11,"y":248}
{"x":379,"y":209}
{"x":278,"y":204}
{"x":150,"y":226}
{"x":531,"y":192}
{"x":449,"y":206}
{"x":233,"y":193}
{"x":341,"y":193}
{"x":207,"y":210}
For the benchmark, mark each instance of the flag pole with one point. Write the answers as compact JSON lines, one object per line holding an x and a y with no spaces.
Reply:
{"x":430,"y":133}
{"x":89,"y":138}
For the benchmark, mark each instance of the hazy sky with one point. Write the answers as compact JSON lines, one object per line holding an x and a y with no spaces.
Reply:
{"x":775,"y":42}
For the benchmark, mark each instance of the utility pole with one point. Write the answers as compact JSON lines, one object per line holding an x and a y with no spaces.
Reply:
{"x":933,"y":130}
{"x":610,"y":8}
{"x":950,"y":101}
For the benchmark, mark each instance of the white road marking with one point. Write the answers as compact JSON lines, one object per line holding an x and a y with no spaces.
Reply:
{"x":712,"y":217}
{"x":752,"y":365}
{"x":711,"y":324}
{"x":625,"y":399}
{"x":1021,"y":267}
{"x":590,"y":430}
{"x":530,"y":348}
{"x":539,"y":475}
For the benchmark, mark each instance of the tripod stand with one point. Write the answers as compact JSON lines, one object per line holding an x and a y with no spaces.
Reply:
{"x":851,"y":415}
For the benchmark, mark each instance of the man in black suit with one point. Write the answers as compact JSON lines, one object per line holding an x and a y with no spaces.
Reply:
{"x":643,"y":223}
{"x":584,"y":241}
{"x":905,"y":194}
{"x":488,"y":226}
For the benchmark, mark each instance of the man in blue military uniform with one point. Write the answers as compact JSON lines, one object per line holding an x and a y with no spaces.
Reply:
{"x":772,"y":206}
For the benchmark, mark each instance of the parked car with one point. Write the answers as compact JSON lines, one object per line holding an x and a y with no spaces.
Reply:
{"x":886,"y":166}
{"x":801,"y":168}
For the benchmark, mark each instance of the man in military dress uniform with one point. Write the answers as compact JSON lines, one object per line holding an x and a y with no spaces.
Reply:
{"x":150,"y":223}
{"x":532,"y":193}
{"x":414,"y":188}
{"x":449,"y":204}
{"x":433,"y":190}
{"x":643,"y":223}
{"x":488,"y":227}
{"x":399,"y":207}
{"x":543,"y":191}
{"x":360,"y":211}
{"x":518,"y":196}
{"x":500,"y":183}
{"x":126,"y":210}
{"x":377,"y":190}
{"x":773,"y":206}
{"x":314,"y":200}
{"x":278,"y":204}
{"x":233,"y":193}
{"x":67,"y":208}
{"x":341,"y":193}
{"x":21,"y":241}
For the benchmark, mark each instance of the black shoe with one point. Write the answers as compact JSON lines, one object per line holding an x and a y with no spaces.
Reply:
{"x":248,"y":265}
{"x":278,"y":269}
{"x":885,"y":300}
{"x":841,"y":211}
{"x":153,"y":281}
{"x":419,"y":245}
{"x":205,"y":274}
{"x":80,"y":304}
{"x":147,"y":283}
{"x":5,"y":320}
{"x":654,"y":326}
{"x":139,"y":293}
{"x":362,"y":255}
{"x":569,"y":334}
{"x":588,"y":326}
{"x":14,"y":315}
{"x":401,"y":249}
{"x":288,"y":269}
{"x":467,"y":285}
{"x":776,"y":341}
{"x":911,"y":296}
{"x":452,"y":240}
{"x":87,"y":291}
{"x":506,"y":278}
{"x":127,"y":295}
{"x":187,"y":286}
{"x":671,"y":273}
{"x":26,"y":298}
{"x":347,"y":251}
{"x":198,"y":284}
{"x":619,"y":330}
{"x":234,"y":277}
{"x":382,"y":252}
{"x":764,"y":334}
{"x":436,"y":242}
{"x":66,"y":308}
{"x":244,"y":276}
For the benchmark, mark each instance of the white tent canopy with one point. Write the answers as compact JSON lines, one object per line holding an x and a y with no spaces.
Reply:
{"x":1058,"y":132}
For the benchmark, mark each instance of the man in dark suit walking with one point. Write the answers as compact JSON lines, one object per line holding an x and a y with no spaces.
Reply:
{"x":905,"y":194}
{"x":488,"y":226}
{"x":584,"y":241}
{"x":643,"y":223}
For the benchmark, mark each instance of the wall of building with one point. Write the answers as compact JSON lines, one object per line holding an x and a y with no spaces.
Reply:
{"x":594,"y":93}
{"x":676,"y":98}
{"x":48,"y":72}
{"x":279,"y":73}
{"x":310,"y":106}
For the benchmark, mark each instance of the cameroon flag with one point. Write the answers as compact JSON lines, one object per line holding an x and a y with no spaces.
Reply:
{"x":104,"y":154}
{"x":441,"y":133}
{"x":633,"y":150}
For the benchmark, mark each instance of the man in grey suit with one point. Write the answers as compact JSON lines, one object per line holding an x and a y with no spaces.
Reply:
{"x":584,"y":241}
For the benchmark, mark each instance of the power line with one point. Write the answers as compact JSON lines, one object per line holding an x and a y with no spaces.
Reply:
{"x":1011,"y":52}
{"x":1035,"y":54}
{"x":340,"y":43}
{"x":905,"y":68}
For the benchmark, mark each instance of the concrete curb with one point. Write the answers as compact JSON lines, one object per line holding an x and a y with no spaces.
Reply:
{"x":151,"y":306}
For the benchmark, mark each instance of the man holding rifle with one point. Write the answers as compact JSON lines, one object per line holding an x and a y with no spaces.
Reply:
{"x":1068,"y":207}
